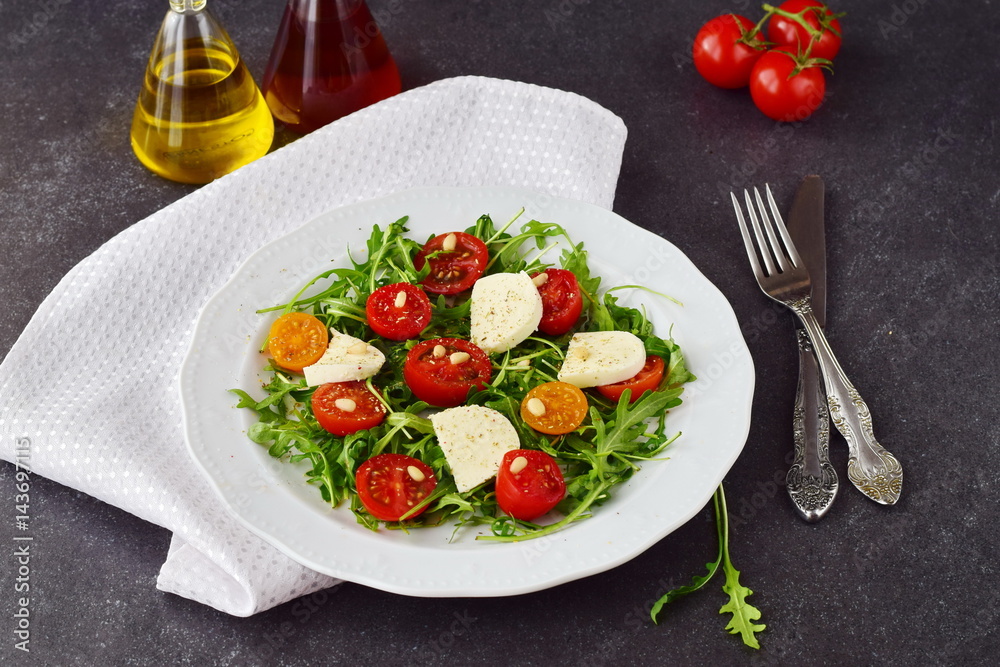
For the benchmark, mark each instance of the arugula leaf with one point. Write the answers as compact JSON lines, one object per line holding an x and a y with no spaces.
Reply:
{"x":743,"y":613}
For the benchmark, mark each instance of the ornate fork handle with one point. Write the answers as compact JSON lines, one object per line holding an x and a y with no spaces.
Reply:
{"x":872,"y":469}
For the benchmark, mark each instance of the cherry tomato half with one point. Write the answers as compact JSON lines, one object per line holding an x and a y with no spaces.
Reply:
{"x":398,"y":317}
{"x":720,"y":57}
{"x":784,"y":31}
{"x":562,"y":301}
{"x":390,"y":485}
{"x":454,"y":270}
{"x":554,"y":408}
{"x":441,"y":371}
{"x":343,"y":408}
{"x":529,"y":484}
{"x":648,"y":378}
{"x":297,"y":340}
{"x":784,"y":97}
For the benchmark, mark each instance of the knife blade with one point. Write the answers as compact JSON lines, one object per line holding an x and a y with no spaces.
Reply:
{"x":811,"y":481}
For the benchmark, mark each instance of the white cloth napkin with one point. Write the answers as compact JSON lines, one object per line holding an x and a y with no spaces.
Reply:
{"x":108,"y":342}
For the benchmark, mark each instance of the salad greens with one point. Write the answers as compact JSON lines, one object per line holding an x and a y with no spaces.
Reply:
{"x":743,"y":613}
{"x":603,"y":453}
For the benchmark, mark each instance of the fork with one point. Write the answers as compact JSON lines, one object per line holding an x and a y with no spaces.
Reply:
{"x":784,"y":278}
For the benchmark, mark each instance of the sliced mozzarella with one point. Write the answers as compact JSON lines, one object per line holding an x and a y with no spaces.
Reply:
{"x":474,"y":440}
{"x":602,"y":357}
{"x":506,"y":309}
{"x":346,"y":358}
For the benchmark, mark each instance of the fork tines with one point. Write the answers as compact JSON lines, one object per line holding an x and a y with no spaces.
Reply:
{"x":784,"y":253}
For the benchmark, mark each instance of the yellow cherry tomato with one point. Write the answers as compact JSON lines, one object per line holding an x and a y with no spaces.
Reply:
{"x":554,"y":408}
{"x":297,"y":340}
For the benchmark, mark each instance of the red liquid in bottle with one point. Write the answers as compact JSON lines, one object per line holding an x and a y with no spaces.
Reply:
{"x":329,"y":59}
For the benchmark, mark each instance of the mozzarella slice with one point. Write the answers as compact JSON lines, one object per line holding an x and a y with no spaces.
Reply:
{"x":602,"y":357}
{"x":506,"y":309}
{"x":346,"y":358}
{"x":474,"y":440}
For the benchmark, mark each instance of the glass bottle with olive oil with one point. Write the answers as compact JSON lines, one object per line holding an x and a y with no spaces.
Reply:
{"x":199,"y":115}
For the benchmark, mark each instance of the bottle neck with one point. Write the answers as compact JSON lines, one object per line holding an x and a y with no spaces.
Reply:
{"x":182,"y":6}
{"x":325,"y":10}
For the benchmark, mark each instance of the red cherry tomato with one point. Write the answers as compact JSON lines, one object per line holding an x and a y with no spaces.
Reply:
{"x":452,"y":271}
{"x":441,"y":371}
{"x":529,"y":484}
{"x":784,"y":31}
{"x":562,"y":302}
{"x":395,"y":317}
{"x":390,"y":485}
{"x":343,"y":408}
{"x":720,"y":57}
{"x":784,"y":97}
{"x":648,"y":378}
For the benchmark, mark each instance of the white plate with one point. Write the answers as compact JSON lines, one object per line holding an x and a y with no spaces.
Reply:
{"x":272,"y":499}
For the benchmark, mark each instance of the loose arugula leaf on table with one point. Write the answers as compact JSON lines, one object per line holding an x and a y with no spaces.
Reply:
{"x":743,"y":613}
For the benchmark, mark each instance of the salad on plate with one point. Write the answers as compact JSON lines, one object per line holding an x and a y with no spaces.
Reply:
{"x":477,"y":379}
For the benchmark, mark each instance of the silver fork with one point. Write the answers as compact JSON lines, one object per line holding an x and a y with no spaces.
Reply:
{"x":783,"y":277}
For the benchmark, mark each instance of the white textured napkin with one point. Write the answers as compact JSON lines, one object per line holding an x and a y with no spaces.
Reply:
{"x":107,"y":344}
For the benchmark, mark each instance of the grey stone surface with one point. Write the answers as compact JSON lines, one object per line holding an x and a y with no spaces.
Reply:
{"x":906,"y":143}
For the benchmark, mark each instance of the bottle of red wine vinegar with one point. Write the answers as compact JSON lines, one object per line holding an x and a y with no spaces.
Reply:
{"x":329,"y":59}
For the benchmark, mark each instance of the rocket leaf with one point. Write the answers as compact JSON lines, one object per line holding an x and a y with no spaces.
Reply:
{"x":743,"y":613}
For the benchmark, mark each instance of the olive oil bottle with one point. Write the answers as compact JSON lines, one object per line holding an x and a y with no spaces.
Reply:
{"x":199,"y":115}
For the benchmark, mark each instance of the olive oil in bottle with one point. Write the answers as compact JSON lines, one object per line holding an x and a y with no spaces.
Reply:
{"x":199,"y":115}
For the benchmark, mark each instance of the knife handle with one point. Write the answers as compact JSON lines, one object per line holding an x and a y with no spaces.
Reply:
{"x":811,"y":481}
{"x":872,"y":469}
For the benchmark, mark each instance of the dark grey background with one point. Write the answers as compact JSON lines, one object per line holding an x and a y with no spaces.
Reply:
{"x":906,"y":143}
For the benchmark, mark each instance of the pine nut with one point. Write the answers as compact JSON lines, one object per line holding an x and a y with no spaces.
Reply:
{"x":523,"y":362}
{"x":448,"y":245}
{"x":345,"y":404}
{"x":400,"y":299}
{"x":540,"y":279}
{"x":358,"y":348}
{"x":439,"y":351}
{"x":459,"y":357}
{"x":535,"y":406}
{"x":518,"y":464}
{"x":415,"y":473}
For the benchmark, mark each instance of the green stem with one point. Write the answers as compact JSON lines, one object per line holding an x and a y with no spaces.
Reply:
{"x":559,"y":525}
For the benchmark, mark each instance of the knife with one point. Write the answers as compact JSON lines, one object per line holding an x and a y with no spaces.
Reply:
{"x":811,"y":481}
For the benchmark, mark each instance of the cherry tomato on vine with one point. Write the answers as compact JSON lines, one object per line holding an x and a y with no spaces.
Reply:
{"x":782,"y":96}
{"x":646,"y":379}
{"x":342,"y":408}
{"x":554,"y":408}
{"x":390,"y":485}
{"x":457,"y":260}
{"x":398,"y":317}
{"x":719,"y":55}
{"x":785,"y":31}
{"x":297,"y":340}
{"x":529,"y":484}
{"x":441,"y":371}
{"x":562,"y":301}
